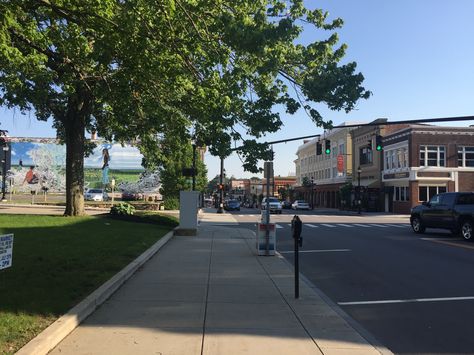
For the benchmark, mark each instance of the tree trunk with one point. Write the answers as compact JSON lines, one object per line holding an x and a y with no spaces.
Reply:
{"x":74,"y":127}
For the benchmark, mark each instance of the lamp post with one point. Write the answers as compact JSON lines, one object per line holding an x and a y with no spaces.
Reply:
{"x":193,"y":143}
{"x":4,"y":175}
{"x":359,"y":170}
{"x":221,"y":190}
{"x":312,"y":192}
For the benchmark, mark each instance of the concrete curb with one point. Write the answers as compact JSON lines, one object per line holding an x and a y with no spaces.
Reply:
{"x":44,"y":342}
{"x":358,"y":328}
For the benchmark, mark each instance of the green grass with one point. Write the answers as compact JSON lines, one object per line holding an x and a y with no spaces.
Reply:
{"x":57,"y":261}
{"x":94,"y":176}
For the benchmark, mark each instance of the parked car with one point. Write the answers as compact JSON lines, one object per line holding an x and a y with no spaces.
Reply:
{"x":286,"y":204}
{"x":232,"y":205}
{"x":300,"y":205}
{"x":274,"y":203}
{"x":451,"y":210}
{"x":96,"y":195}
{"x":128,"y":196}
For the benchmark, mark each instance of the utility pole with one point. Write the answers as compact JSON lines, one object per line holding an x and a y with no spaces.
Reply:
{"x":194,"y":164}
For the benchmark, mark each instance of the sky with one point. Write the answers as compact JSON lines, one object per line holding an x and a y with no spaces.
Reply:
{"x":415,"y":55}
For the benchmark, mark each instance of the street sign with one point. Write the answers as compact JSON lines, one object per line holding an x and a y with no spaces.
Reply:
{"x":6,"y":250}
{"x":340,"y":163}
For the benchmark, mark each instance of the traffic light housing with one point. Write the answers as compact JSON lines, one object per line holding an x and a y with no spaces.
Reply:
{"x":378,"y":143}
{"x":319,"y":148}
{"x":327,"y":146}
{"x":369,"y":144}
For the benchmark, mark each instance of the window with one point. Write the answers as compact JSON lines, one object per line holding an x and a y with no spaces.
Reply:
{"x":467,"y":199}
{"x":432,"y":155}
{"x":365,"y":155}
{"x":341,"y":149}
{"x":401,"y":193}
{"x":466,"y":156}
{"x":426,"y":192}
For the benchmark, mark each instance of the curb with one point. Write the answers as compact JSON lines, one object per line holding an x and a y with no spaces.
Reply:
{"x":44,"y":342}
{"x":358,"y":328}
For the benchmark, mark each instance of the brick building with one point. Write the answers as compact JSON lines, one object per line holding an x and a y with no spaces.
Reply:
{"x":421,"y":161}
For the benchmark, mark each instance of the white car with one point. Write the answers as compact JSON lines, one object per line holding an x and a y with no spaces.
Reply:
{"x":96,"y":195}
{"x":300,"y":205}
{"x":275,"y":205}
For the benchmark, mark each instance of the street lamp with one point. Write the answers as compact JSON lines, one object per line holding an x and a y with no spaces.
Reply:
{"x":4,"y":175}
{"x":193,"y":143}
{"x":359,"y":170}
{"x":220,"y":209}
{"x":312,"y":193}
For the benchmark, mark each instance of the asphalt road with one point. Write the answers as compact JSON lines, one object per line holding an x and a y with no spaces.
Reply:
{"x":414,"y":293}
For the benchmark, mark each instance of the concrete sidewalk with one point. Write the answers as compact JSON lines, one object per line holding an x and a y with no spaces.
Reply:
{"x":211,"y":294}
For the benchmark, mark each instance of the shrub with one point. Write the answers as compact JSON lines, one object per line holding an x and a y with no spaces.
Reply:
{"x":123,"y":209}
{"x":171,"y":204}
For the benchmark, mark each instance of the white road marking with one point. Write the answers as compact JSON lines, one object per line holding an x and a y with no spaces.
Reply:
{"x":345,"y":225}
{"x":362,"y":225}
{"x":441,"y":239}
{"x":316,"y":251}
{"x":241,"y":215}
{"x":278,"y":226}
{"x":378,"y":225}
{"x":328,"y":225}
{"x":311,"y":225}
{"x":398,"y":225}
{"x":408,"y":301}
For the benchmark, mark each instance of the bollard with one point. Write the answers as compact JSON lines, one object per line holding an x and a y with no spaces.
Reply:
{"x":296,"y":227}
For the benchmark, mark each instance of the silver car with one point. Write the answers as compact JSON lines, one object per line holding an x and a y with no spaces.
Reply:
{"x":275,"y":204}
{"x":96,"y":195}
{"x":300,"y":205}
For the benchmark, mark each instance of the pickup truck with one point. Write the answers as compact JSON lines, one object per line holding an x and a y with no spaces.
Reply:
{"x":451,"y":210}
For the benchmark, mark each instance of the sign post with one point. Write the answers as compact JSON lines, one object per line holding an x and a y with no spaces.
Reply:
{"x":6,"y":251}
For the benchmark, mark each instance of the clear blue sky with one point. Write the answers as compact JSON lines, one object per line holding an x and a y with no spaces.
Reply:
{"x":416,"y":56}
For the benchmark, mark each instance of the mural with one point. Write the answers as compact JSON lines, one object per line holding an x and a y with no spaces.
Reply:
{"x":40,"y":166}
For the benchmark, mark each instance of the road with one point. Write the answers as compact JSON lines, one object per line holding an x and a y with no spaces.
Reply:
{"x":412,"y":292}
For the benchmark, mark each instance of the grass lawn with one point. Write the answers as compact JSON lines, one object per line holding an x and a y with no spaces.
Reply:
{"x":57,"y":261}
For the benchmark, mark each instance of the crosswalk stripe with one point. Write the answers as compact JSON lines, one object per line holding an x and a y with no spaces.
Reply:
{"x":378,"y":225}
{"x":362,"y":225}
{"x":328,"y":225}
{"x":345,"y":225}
{"x":289,"y":224}
{"x":311,"y":225}
{"x":397,"y":225}
{"x":278,"y":226}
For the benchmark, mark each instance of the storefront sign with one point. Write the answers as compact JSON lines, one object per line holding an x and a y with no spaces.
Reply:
{"x":6,"y":250}
{"x":396,"y":176}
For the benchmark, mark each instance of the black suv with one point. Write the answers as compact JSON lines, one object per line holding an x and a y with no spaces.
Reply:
{"x":451,"y":210}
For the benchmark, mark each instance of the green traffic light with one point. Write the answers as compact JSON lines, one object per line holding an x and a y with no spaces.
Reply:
{"x":328,"y":151}
{"x":379,"y":148}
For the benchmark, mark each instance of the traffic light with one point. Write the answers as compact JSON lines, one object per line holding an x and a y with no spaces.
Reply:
{"x":327,"y":145}
{"x":369,"y":144}
{"x":220,"y":186}
{"x":319,"y":148}
{"x":378,"y":143}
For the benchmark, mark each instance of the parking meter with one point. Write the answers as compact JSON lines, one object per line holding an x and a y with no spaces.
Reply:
{"x":296,"y":227}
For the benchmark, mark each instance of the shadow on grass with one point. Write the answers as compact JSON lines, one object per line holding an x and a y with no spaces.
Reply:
{"x":58,"y":261}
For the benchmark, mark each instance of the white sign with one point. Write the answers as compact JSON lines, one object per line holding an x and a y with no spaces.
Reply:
{"x":6,"y":250}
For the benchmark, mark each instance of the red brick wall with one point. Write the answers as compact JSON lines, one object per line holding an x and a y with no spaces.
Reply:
{"x":466,"y":181}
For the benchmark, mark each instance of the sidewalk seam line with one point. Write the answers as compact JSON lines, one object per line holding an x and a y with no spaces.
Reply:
{"x":207,"y":296}
{"x":286,"y":301}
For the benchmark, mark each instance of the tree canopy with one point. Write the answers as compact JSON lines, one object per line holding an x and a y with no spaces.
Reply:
{"x":135,"y":70}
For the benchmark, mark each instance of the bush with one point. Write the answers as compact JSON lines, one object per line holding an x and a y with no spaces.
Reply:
{"x":171,"y":204}
{"x":122,"y":209}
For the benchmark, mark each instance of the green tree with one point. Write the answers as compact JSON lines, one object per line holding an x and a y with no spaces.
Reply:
{"x":137,"y":69}
{"x":178,"y":156}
